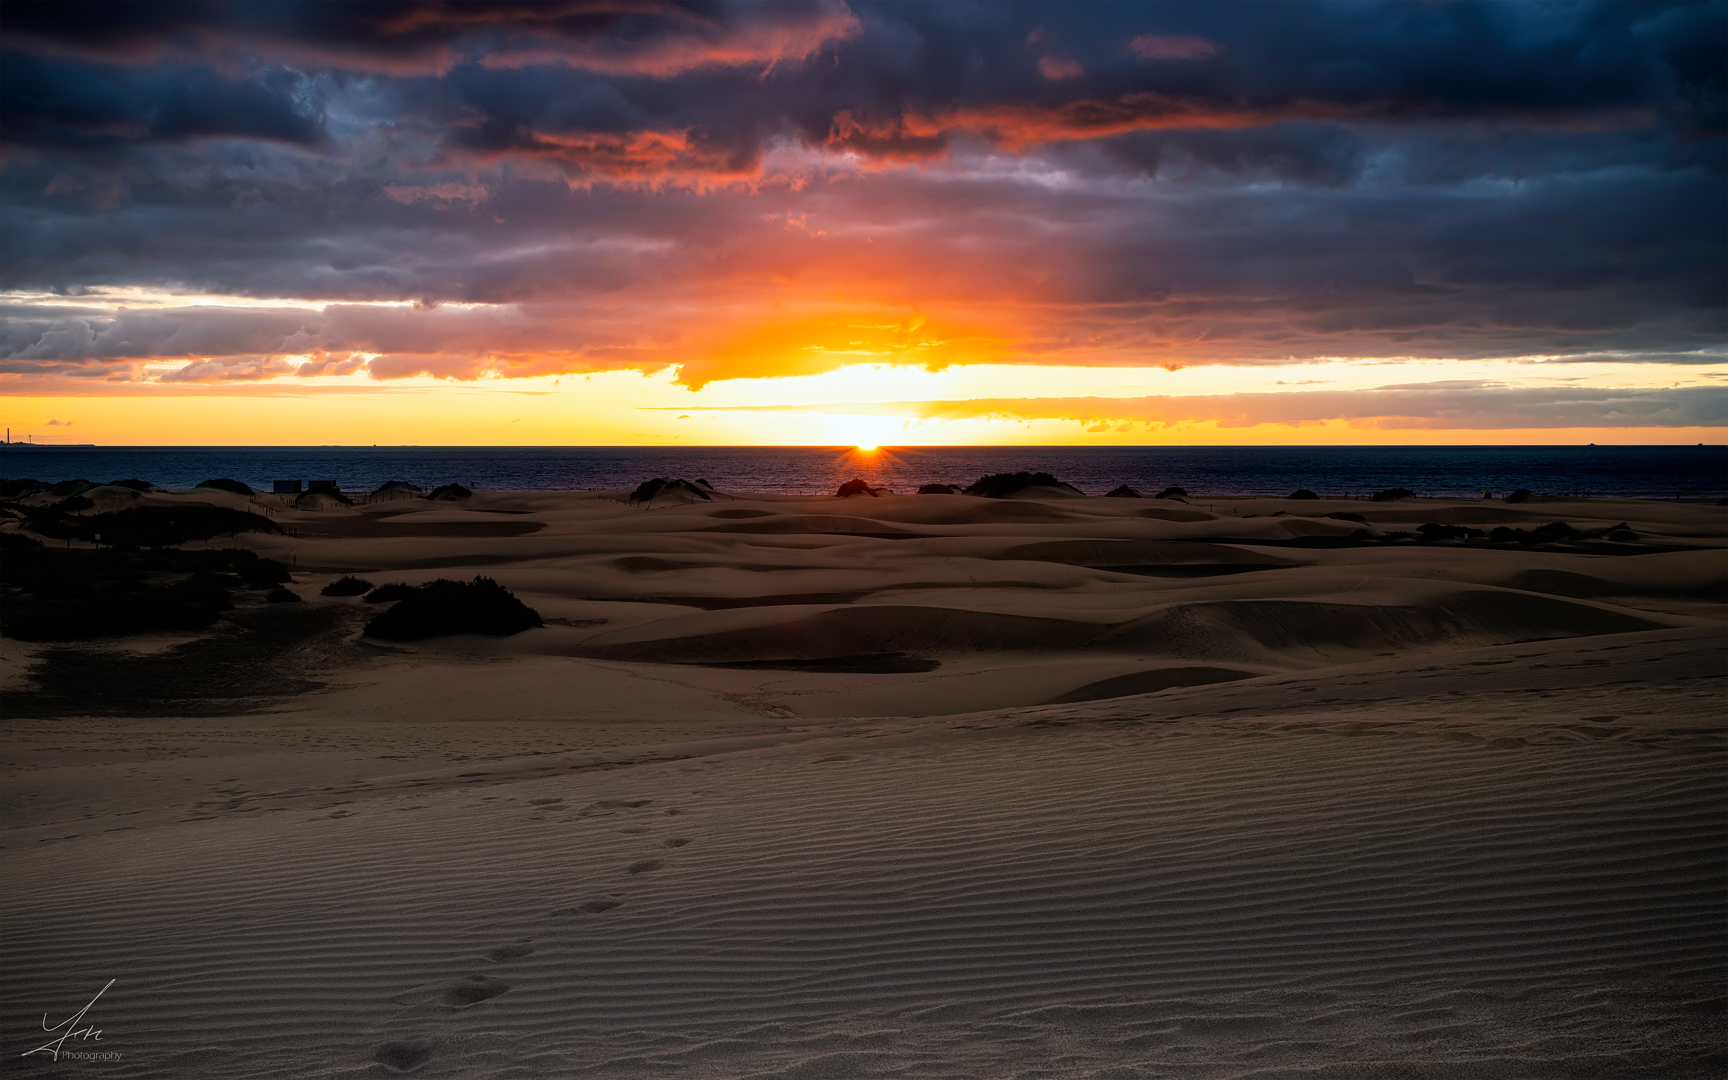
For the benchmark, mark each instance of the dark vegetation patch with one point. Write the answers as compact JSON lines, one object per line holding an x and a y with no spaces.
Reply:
{"x":1123,"y":492}
{"x":223,"y":483}
{"x":1553,"y":532}
{"x":661,"y":485}
{"x":283,"y":596}
{"x":386,"y":594}
{"x":1173,"y":493}
{"x":53,"y":594}
{"x":450,"y":492}
{"x":389,"y":486}
{"x":896,"y":663}
{"x":1303,"y":493}
{"x":135,"y":484}
{"x":1393,"y":495}
{"x":857,"y":487}
{"x":1433,"y":531}
{"x":1521,"y":495}
{"x":442,"y":607}
{"x":346,"y":586}
{"x":145,"y":526}
{"x":939,"y":489}
{"x":1001,"y":485}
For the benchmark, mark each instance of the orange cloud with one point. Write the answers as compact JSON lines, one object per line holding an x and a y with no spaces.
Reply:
{"x":817,"y":344}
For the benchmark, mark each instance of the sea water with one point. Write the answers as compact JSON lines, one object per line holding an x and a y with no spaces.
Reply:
{"x":1646,"y":472}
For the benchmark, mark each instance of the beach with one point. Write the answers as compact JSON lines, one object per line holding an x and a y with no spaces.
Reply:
{"x":897,"y":785}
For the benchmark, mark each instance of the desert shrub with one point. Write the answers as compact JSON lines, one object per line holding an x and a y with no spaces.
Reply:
{"x":73,"y":503}
{"x":67,"y":488}
{"x":1393,"y":495}
{"x":17,"y":489}
{"x":939,"y":489}
{"x":398,"y":485}
{"x":1553,"y":532}
{"x":386,"y":594}
{"x":283,"y":596}
{"x":1303,"y":493}
{"x":1434,"y":531}
{"x":1521,"y":495}
{"x":1623,"y":536}
{"x":1001,"y":485}
{"x":450,"y":492}
{"x":223,"y":483}
{"x":854,"y":487}
{"x":346,"y":586}
{"x":1173,"y":493}
{"x":481,"y":606}
{"x":1123,"y":492}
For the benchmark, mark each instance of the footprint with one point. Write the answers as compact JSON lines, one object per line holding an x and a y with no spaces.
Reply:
{"x":620,"y":804}
{"x":675,"y":841}
{"x":342,"y":814}
{"x":456,"y":994}
{"x":645,"y":866}
{"x":403,"y":1057}
{"x":514,"y":951}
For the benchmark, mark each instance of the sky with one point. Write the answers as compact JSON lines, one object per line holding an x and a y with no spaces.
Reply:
{"x":815,"y":223}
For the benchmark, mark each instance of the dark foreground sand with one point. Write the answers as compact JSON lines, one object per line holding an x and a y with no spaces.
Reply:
{"x":903,"y":787}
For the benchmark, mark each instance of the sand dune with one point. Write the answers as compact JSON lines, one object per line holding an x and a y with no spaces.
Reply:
{"x":776,"y":795}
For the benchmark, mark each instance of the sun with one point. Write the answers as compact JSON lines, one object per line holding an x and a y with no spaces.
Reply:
{"x":866,"y":433}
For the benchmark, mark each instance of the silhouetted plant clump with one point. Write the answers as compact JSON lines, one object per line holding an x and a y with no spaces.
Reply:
{"x":55,"y":594}
{"x":386,"y":594}
{"x":450,"y":492}
{"x":17,"y":489}
{"x":855,"y":487}
{"x":346,"y":586}
{"x":1001,"y":485}
{"x":1123,"y":492}
{"x":1393,"y":495}
{"x":223,"y":483}
{"x":662,"y":485}
{"x":283,"y":596}
{"x":74,"y":503}
{"x":135,"y":485}
{"x":1173,"y":493}
{"x":1303,"y":493}
{"x":390,"y":486}
{"x":481,"y":606}
{"x":1434,"y":531}
{"x":939,"y":489}
{"x":1551,"y":533}
{"x":148,"y":526}
{"x":1521,"y":495}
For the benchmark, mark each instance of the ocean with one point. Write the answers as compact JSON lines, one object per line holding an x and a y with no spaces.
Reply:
{"x":1646,"y":472}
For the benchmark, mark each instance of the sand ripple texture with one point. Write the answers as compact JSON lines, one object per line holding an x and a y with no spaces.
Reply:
{"x":1218,"y":898}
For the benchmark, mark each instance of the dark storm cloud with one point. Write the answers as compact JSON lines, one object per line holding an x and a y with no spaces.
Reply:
{"x":68,"y":104}
{"x":1126,"y":183}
